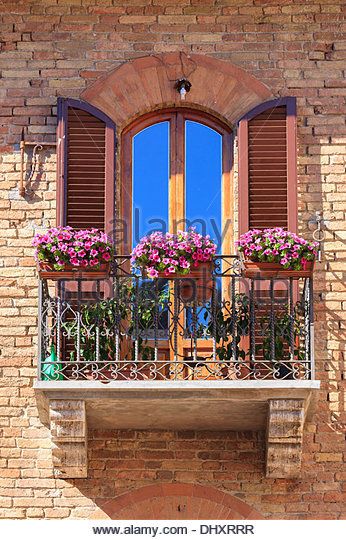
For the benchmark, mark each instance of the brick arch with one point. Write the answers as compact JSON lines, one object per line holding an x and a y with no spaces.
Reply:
{"x":178,"y":501}
{"x":147,"y":83}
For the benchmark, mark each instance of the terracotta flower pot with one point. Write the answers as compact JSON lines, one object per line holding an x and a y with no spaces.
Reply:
{"x":197,"y":285}
{"x":46,"y":271}
{"x":275,"y":270}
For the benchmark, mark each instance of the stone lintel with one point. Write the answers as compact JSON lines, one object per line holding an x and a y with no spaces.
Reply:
{"x":69,"y":438}
{"x":284,"y":438}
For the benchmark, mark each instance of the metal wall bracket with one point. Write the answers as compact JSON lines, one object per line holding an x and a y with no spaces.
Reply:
{"x":37,"y":147}
{"x":320,"y":224}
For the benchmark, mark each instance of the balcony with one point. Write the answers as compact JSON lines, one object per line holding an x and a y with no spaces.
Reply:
{"x":133,"y":353}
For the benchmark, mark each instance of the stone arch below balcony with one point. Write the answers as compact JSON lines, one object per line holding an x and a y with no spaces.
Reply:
{"x":176,"y":501}
{"x":147,"y":84}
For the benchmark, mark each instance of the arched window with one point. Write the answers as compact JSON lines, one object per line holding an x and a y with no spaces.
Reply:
{"x":176,"y":173}
{"x":176,"y":168}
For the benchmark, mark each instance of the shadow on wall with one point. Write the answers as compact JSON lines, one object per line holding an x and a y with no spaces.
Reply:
{"x":318,"y":193}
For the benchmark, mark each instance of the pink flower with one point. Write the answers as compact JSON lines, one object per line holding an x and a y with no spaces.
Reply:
{"x":172,"y":253}
{"x":74,"y":261}
{"x":93,"y":253}
{"x":152,"y":273}
{"x":106,"y":257}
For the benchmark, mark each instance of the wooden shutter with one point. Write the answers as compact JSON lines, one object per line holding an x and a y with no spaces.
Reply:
{"x":86,"y":166}
{"x":267,"y":166}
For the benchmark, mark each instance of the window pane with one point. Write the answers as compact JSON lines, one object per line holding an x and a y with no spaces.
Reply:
{"x":203,"y":174}
{"x":150,"y":180}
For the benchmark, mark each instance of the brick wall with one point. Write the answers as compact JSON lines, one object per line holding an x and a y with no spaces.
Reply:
{"x":56,"y":48}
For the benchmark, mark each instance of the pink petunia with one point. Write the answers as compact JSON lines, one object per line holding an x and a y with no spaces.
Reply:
{"x":152,"y":273}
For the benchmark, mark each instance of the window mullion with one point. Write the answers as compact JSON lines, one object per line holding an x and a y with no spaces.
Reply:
{"x":177,"y":173}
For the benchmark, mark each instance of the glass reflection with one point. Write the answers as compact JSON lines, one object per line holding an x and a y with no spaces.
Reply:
{"x":203,"y":176}
{"x":150,"y":173}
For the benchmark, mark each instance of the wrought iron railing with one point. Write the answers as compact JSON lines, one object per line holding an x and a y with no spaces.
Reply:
{"x":131,"y":328}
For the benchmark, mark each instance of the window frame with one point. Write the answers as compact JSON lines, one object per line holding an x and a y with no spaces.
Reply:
{"x":176,"y":118}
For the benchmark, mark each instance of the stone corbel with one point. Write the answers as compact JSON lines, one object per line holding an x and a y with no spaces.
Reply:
{"x":284,"y":438}
{"x":69,"y":438}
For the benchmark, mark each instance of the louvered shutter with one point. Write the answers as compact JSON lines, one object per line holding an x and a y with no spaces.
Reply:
{"x":86,"y":166}
{"x":267,"y":166}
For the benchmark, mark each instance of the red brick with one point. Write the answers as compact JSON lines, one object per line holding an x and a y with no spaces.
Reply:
{"x":59,"y":48}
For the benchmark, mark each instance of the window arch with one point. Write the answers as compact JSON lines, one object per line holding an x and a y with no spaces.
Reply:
{"x":176,"y":501}
{"x":190,"y":155}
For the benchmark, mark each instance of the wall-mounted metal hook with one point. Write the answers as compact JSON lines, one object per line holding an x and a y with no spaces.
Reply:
{"x":37,"y":147}
{"x":319,"y":233}
{"x":21,"y":188}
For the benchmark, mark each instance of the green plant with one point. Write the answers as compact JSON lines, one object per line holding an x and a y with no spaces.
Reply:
{"x":59,"y":246}
{"x":128,"y":315}
{"x":172,"y":253}
{"x":286,"y":329}
{"x":230,"y":330}
{"x":229,"y":326}
{"x":277,"y":246}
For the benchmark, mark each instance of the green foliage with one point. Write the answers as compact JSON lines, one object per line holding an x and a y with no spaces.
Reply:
{"x":229,"y":332}
{"x":122,"y":314}
{"x":225,"y":325}
{"x":282,"y":335}
{"x":132,"y":313}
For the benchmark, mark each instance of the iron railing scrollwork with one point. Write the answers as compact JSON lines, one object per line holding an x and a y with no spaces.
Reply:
{"x":130,"y":328}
